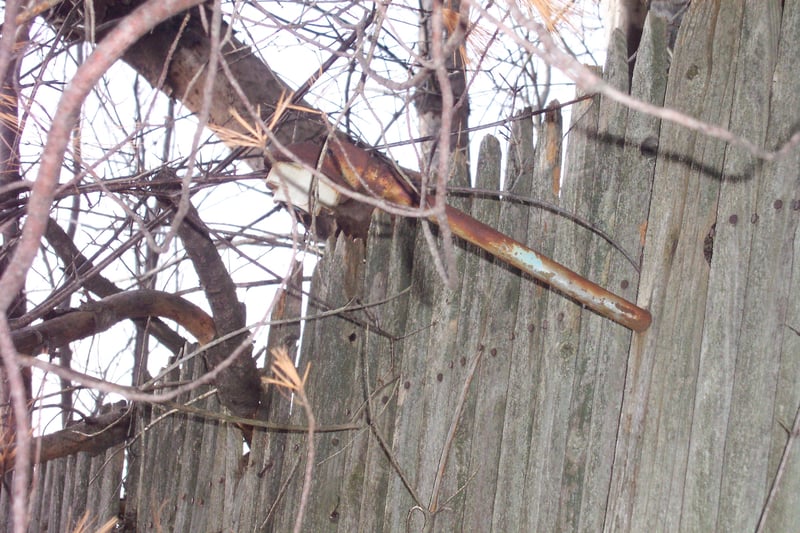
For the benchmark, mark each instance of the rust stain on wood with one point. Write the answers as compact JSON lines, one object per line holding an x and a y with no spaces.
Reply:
{"x":553,"y":144}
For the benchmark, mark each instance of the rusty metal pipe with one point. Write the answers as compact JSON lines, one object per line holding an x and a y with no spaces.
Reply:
{"x":352,"y":166}
{"x":548,"y":271}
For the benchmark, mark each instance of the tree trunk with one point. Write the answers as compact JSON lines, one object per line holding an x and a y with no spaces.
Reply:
{"x":429,"y":97}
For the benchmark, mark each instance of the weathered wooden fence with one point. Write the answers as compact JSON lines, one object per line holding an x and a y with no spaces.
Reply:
{"x":502,"y":406}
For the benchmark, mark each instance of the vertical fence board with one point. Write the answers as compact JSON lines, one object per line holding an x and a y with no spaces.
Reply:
{"x":784,"y":513}
{"x":511,"y":508}
{"x":685,"y":192}
{"x":294,"y":447}
{"x":183,"y":492}
{"x":728,"y":273}
{"x":559,"y":325}
{"x":257,"y":486}
{"x":489,"y":304}
{"x":442,"y":453}
{"x":206,"y":488}
{"x":408,"y":429}
{"x":745,"y":477}
{"x":601,"y":348}
{"x":332,"y":347}
{"x":76,"y":479}
{"x":54,"y":490}
{"x":40,"y":501}
{"x":386,"y":279}
{"x":634,"y":177}
{"x":106,"y":484}
{"x":432,"y":383}
{"x":785,"y":509}
{"x":593,"y":343}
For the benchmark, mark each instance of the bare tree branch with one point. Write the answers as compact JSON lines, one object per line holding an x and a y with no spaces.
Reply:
{"x":180,"y":73}
{"x":112,"y":47}
{"x":95,"y":317}
{"x":590,"y":82}
{"x":239,"y":387}
{"x":93,"y":435}
{"x":76,"y":265}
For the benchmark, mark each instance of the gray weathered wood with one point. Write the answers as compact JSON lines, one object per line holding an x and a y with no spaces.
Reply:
{"x":510,"y":505}
{"x":746,"y":475}
{"x":703,"y":508}
{"x":490,"y":301}
{"x":781,"y":266}
{"x":685,"y":192}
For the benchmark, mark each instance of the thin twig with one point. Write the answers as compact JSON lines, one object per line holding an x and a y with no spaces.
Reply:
{"x":62,"y":293}
{"x":13,"y":377}
{"x":9,"y":36}
{"x":269,"y":426}
{"x":281,"y":492}
{"x":215,"y":41}
{"x":298,"y":524}
{"x":130,"y":29}
{"x":376,"y":432}
{"x":451,"y":433}
{"x":449,"y":273}
{"x":286,"y":376}
{"x":395,"y":465}
{"x":127,"y":32}
{"x":131,"y":393}
{"x":773,"y":491}
{"x":497,"y":123}
{"x":16,"y":391}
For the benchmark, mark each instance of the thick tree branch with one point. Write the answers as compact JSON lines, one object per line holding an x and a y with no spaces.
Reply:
{"x":95,"y":317}
{"x":139,"y":22}
{"x":15,"y":386}
{"x":94,"y":434}
{"x":239,"y":386}
{"x":105,"y":54}
{"x":76,"y":264}
{"x":174,"y":59}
